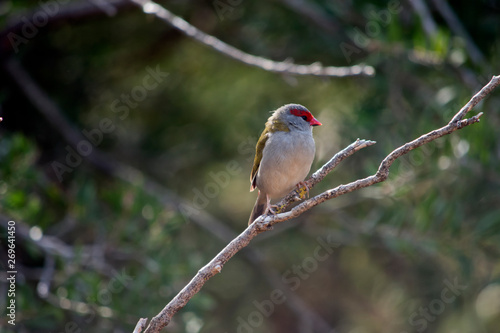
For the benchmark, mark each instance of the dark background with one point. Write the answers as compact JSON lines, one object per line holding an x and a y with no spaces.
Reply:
{"x":107,"y":238}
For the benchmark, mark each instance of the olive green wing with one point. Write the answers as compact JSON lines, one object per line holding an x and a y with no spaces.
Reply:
{"x":259,"y":148}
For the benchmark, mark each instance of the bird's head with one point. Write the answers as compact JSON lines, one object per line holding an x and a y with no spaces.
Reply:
{"x":293,"y":117}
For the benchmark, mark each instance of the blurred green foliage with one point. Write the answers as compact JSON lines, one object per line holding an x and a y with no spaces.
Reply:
{"x":401,"y":245}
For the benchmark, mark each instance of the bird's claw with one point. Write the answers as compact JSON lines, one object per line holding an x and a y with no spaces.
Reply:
{"x":273,"y":209}
{"x":303,"y":191}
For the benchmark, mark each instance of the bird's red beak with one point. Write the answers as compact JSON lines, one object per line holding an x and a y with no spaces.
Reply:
{"x":315,"y":122}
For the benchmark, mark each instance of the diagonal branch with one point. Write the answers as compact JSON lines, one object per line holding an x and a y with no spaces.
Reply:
{"x":265,"y":223}
{"x":238,"y":243}
{"x":284,"y":67}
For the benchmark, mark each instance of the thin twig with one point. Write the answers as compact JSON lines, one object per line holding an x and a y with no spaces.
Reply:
{"x":284,"y":67}
{"x":141,"y":324}
{"x":264,"y":223}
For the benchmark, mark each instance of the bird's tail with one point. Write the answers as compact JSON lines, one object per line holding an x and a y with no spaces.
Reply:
{"x":259,"y":208}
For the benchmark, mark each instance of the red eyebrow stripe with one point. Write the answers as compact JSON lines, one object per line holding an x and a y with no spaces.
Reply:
{"x":301,"y":113}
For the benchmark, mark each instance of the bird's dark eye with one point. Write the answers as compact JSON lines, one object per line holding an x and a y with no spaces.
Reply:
{"x":304,"y":117}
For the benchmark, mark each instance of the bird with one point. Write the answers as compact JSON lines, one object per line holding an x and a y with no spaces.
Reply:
{"x":283,"y":155}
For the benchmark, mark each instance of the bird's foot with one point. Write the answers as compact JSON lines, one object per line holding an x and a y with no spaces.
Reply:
{"x":273,"y":209}
{"x":303,"y":190}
